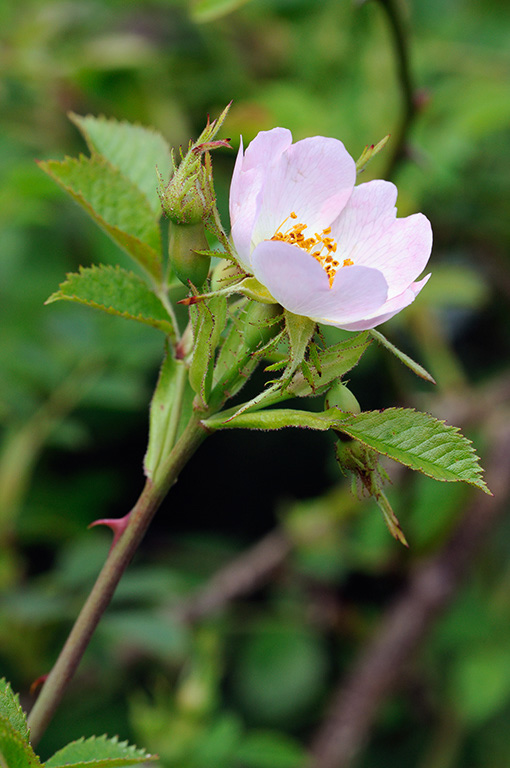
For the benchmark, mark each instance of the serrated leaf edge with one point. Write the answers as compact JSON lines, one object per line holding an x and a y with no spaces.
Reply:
{"x":19,"y":708}
{"x":478,"y":482}
{"x":99,"y":220}
{"x":161,"y":325}
{"x":75,"y":119}
{"x":138,"y":754}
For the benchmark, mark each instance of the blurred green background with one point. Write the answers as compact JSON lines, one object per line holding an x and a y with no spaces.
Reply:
{"x":247,"y":686}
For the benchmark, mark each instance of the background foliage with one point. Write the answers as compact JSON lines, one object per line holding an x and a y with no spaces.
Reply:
{"x":247,"y":685}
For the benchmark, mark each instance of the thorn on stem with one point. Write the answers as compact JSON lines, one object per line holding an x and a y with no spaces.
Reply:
{"x":37,"y":684}
{"x":117,"y":524}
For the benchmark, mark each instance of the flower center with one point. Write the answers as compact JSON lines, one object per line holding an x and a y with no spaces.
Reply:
{"x":320,"y":246}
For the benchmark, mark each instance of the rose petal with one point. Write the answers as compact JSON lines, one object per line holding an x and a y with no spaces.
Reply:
{"x":388,"y":309}
{"x":368,"y":232}
{"x":314,"y":178}
{"x":299,"y":283}
{"x":247,"y":183}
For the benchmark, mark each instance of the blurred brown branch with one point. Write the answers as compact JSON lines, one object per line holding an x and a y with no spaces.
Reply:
{"x":243,"y":575}
{"x":408,"y":91}
{"x":379,"y":667}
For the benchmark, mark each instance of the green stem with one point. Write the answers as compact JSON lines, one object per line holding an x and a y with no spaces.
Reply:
{"x":116,"y":563}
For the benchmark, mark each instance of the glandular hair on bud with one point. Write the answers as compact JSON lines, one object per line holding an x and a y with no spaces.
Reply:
{"x":339,"y":396}
{"x":184,"y":240}
{"x":260,"y":324}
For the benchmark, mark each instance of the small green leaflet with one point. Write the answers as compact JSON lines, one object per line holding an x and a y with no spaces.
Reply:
{"x":98,"y":752}
{"x":136,"y":151}
{"x":415,"y":439}
{"x":15,"y":751}
{"x":114,"y":203}
{"x":10,"y":709}
{"x":116,"y":291}
{"x":419,"y":441}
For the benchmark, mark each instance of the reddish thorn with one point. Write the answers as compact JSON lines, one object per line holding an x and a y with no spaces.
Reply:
{"x":191,"y":300}
{"x":117,"y":524}
{"x":37,"y":684}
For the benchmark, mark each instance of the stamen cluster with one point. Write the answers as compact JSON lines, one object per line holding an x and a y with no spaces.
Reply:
{"x":320,"y":246}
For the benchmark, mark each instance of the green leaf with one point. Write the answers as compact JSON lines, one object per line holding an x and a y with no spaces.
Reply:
{"x":136,"y":151}
{"x":116,"y":291}
{"x":408,"y":361}
{"x":209,"y":323}
{"x":170,"y":408}
{"x":114,"y":203}
{"x":208,"y":10}
{"x":10,"y":709}
{"x":419,"y":441}
{"x":98,"y":752}
{"x":15,"y":751}
{"x":415,"y":439}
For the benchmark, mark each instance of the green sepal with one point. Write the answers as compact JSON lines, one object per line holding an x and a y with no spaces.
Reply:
{"x":415,"y":367}
{"x":209,"y":318}
{"x":370,"y":151}
{"x":10,"y":709}
{"x":171,"y":408}
{"x":300,"y":330}
{"x":233,"y":368}
{"x":117,"y":292}
{"x":135,"y":150}
{"x":114,"y":203}
{"x":15,"y":751}
{"x":98,"y":752}
{"x":335,"y":362}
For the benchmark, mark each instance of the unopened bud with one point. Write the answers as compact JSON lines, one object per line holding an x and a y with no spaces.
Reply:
{"x":188,"y":198}
{"x":339,"y":396}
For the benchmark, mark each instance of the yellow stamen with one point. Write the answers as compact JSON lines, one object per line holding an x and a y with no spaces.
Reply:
{"x":327,"y":245}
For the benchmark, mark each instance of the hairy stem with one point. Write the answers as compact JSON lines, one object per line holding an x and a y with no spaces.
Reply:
{"x":116,"y":563}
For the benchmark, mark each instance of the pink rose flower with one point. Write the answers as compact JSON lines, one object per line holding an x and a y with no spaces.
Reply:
{"x":322,"y":247}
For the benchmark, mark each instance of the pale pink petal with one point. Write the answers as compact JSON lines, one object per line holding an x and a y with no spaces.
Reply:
{"x":368,"y":232}
{"x":314,"y":178}
{"x":388,"y":309}
{"x":248,"y":181}
{"x":299,"y":283}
